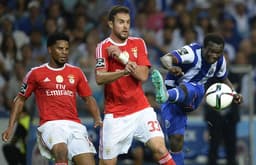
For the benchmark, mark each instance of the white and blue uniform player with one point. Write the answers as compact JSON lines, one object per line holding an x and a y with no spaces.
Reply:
{"x":189,"y":68}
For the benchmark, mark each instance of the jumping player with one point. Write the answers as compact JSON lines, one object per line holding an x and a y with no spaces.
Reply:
{"x":189,"y":68}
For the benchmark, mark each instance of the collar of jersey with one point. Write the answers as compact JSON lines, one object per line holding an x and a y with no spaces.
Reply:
{"x":55,"y":69}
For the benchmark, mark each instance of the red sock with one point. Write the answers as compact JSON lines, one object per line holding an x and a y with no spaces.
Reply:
{"x":167,"y":160}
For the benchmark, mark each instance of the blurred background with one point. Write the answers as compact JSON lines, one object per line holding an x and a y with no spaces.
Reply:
{"x":164,"y":25}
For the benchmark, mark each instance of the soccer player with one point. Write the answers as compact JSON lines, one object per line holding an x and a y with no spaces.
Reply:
{"x":56,"y":85}
{"x":189,"y":68}
{"x":122,"y":65}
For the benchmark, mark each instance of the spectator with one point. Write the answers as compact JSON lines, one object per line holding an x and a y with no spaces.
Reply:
{"x":15,"y":151}
{"x":34,"y":19}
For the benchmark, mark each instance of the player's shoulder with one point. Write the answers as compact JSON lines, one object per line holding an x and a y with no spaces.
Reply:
{"x":38,"y":68}
{"x":104,"y":42}
{"x":135,"y":39}
{"x":73,"y":67}
{"x":195,"y":45}
{"x":189,"y":49}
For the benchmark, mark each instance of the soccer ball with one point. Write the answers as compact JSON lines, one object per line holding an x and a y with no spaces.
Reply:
{"x":219,"y":96}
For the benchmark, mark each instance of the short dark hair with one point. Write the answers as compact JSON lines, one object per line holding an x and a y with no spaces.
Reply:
{"x":215,"y":38}
{"x":117,"y":9}
{"x":55,"y":37}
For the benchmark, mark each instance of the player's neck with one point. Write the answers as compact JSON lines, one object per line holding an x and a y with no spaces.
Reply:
{"x":54,"y":65}
{"x":116,"y":39}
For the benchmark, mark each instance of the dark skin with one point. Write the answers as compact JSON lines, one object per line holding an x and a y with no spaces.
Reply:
{"x":210,"y":53}
{"x":59,"y":56}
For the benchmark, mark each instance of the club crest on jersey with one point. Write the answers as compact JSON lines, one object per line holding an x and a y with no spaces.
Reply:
{"x":59,"y":79}
{"x":135,"y":52}
{"x":182,"y":51}
{"x":100,"y":62}
{"x":71,"y":79}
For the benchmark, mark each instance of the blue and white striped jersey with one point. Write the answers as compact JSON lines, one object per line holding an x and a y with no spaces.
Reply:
{"x":195,"y":68}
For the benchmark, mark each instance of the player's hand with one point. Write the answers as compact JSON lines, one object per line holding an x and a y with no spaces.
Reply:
{"x":7,"y":134}
{"x":117,"y":54}
{"x":113,"y":51}
{"x":238,"y":98}
{"x":130,"y":67}
{"x":175,"y":70}
{"x":98,"y":123}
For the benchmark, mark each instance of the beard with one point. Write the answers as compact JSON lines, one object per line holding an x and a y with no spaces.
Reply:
{"x":120,"y":36}
{"x":59,"y":63}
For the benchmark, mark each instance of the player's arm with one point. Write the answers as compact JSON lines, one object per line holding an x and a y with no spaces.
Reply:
{"x":93,"y":109}
{"x":104,"y":77}
{"x":18,"y":104}
{"x":140,"y":72}
{"x":168,"y":61}
{"x":238,"y":98}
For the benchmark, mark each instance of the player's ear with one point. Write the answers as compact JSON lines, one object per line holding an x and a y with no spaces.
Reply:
{"x":110,"y":24}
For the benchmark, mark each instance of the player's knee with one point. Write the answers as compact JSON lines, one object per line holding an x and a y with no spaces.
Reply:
{"x":157,"y":146}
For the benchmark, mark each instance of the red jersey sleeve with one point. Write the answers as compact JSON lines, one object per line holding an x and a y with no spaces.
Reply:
{"x":101,"y":56}
{"x":143,"y":53}
{"x":83,"y":87}
{"x":28,"y":85}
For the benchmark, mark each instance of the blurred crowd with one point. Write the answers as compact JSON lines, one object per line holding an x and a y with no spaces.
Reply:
{"x":164,"y":25}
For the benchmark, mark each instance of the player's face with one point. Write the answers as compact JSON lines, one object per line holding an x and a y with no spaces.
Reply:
{"x":212,"y":52}
{"x":59,"y":53}
{"x":121,"y":26}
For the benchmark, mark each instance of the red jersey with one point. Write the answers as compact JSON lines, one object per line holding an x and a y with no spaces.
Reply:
{"x":55,"y":91}
{"x":125,"y":95}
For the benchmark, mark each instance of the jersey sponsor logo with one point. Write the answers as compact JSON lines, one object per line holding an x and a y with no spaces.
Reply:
{"x":59,"y":79}
{"x":100,"y":62}
{"x":182,"y":51}
{"x":23,"y":88}
{"x":59,"y":92}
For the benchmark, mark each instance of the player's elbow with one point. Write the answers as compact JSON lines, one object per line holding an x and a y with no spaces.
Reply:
{"x":99,"y":77}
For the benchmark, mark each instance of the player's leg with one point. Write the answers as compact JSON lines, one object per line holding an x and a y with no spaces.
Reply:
{"x":176,"y":148}
{"x":174,"y":121}
{"x":113,"y":139}
{"x":84,"y":159}
{"x":112,"y":161}
{"x":160,"y":89}
{"x":162,"y":94}
{"x":137,"y":152}
{"x":80,"y":148}
{"x":60,"y":152}
{"x":52,"y":140}
{"x":149,"y":132}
